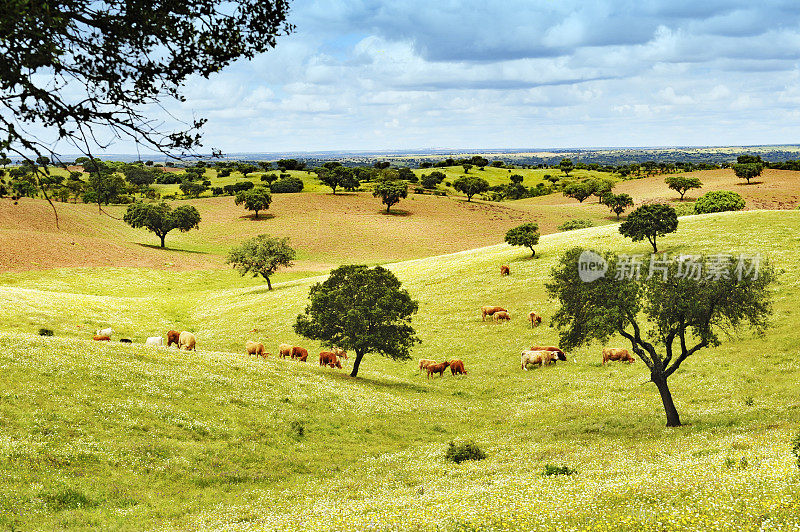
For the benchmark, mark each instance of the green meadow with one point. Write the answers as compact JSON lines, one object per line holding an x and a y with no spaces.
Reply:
{"x":131,"y":437}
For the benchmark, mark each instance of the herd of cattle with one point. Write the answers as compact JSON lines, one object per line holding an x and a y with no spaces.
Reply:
{"x":536,"y":355}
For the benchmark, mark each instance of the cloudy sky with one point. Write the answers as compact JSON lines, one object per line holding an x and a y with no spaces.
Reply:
{"x":409,"y":74}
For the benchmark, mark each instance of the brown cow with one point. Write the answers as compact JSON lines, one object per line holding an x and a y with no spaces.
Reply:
{"x":437,"y":368}
{"x":285,"y":350}
{"x":535,"y":319}
{"x":616,"y":353}
{"x":339,"y":352}
{"x":505,"y":270}
{"x":173,"y":337}
{"x":101,"y":338}
{"x":256,"y":348}
{"x":425,"y":362}
{"x":299,"y":353}
{"x":457,"y":367}
{"x":489,"y":311}
{"x":328,"y":358}
{"x":537,"y":358}
{"x":501,"y":315}
{"x":559,"y":353}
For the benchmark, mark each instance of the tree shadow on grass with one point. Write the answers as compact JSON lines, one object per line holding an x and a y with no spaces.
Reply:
{"x":746,"y":184}
{"x":260,"y":217}
{"x":396,"y":212}
{"x":159,"y":248}
{"x":344,"y":374}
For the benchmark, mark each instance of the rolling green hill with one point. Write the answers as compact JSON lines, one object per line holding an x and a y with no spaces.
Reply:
{"x":96,"y":435}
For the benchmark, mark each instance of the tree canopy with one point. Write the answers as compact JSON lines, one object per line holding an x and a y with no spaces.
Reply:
{"x":682,"y":184}
{"x":361,"y":309}
{"x":617,"y":203}
{"x":255,"y":199}
{"x":80,"y":67}
{"x":566,"y":166}
{"x":650,"y":222}
{"x":748,"y":171}
{"x":719,"y":201}
{"x":391,"y":191}
{"x":471,"y":185}
{"x":161,"y":219}
{"x":686,"y":304}
{"x":525,"y":235}
{"x":579,"y":191}
{"x":262,"y":255}
{"x":338,"y":176}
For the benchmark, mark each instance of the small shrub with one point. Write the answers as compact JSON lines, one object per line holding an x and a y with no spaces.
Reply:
{"x":551,"y":470}
{"x":719,"y":201}
{"x":570,"y":225}
{"x":459,"y":452}
{"x":286,"y":185}
{"x":45,"y":332}
{"x":68,"y":499}
{"x":297,"y":429}
{"x":748,"y":401}
{"x":796,"y":448}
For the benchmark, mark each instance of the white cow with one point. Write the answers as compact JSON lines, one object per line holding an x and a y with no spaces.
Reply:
{"x":105,"y":332}
{"x":155,"y":340}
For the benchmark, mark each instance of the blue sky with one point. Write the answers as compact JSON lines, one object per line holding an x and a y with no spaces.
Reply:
{"x":371,"y":75}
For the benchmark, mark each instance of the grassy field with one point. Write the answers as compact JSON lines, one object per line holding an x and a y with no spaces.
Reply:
{"x":128,"y":437}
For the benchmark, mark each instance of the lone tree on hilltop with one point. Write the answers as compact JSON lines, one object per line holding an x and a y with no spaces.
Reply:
{"x":618,"y":202}
{"x":526,"y":235}
{"x":390,"y":192}
{"x":678,"y":308}
{"x":748,"y":171}
{"x":650,"y":222}
{"x":85,"y":67}
{"x":255,"y":199}
{"x":261,"y":255}
{"x":682,"y":184}
{"x":361,"y":309}
{"x":160,"y":219}
{"x":471,"y":185}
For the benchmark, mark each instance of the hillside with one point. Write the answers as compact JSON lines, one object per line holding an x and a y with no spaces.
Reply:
{"x":129,"y":437}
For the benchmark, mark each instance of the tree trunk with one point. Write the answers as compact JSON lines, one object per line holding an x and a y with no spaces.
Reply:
{"x":673,"y":420}
{"x":256,"y":215}
{"x":269,"y":284}
{"x":653,"y":241}
{"x":357,"y":362}
{"x":162,"y":239}
{"x":387,"y":209}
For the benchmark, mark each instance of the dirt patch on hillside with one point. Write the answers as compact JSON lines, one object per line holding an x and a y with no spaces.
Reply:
{"x":29,"y":240}
{"x":774,"y":189}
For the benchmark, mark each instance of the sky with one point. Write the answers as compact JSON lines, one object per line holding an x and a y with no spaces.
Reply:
{"x":511,"y":74}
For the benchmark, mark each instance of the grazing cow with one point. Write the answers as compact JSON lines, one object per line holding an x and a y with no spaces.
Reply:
{"x":154,"y":340}
{"x":125,"y":341}
{"x":187,"y":341}
{"x":424,"y":363}
{"x":299,"y":353}
{"x":173,"y":337}
{"x":437,"y":368}
{"x":539,"y":358}
{"x":105,"y":332}
{"x":457,"y":367}
{"x":256,"y":348}
{"x":559,"y":353}
{"x":489,"y":311}
{"x":616,"y":353}
{"x":501,"y":315}
{"x":329,"y":358}
{"x":535,"y":319}
{"x":505,"y":270}
{"x":101,"y":338}
{"x":339,"y":352}
{"x":285,"y":351}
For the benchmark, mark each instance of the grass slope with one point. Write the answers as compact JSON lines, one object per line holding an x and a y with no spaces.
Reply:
{"x":115,"y":436}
